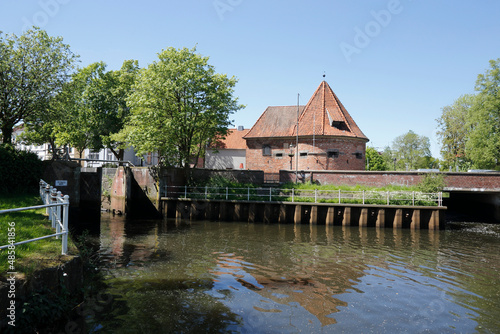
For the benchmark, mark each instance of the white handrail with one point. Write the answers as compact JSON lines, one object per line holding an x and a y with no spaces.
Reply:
{"x":410,"y":198}
{"x":57,"y":207}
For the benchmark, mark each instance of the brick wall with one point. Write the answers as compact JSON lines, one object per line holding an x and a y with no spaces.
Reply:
{"x":325,"y":154}
{"x":489,"y":181}
{"x":175,"y":176}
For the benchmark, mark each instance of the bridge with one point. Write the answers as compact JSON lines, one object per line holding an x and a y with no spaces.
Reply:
{"x":472,"y":193}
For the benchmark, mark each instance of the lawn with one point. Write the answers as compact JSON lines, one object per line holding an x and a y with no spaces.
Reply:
{"x":28,"y":225}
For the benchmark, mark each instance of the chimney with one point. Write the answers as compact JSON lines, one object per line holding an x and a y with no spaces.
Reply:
{"x":241,"y":128}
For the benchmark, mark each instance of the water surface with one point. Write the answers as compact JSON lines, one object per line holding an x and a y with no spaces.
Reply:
{"x":255,"y":278}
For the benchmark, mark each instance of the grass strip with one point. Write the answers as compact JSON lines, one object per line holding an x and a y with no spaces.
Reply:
{"x":29,"y":224}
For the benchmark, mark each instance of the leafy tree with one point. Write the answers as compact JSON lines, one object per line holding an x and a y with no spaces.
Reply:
{"x":79,"y":121}
{"x":94,"y":104}
{"x":375,"y":160}
{"x":119,"y":84}
{"x":45,"y":127}
{"x":411,"y":151}
{"x":483,"y":145}
{"x":389,"y":157}
{"x":454,"y":130}
{"x":33,"y":68}
{"x":179,"y":103}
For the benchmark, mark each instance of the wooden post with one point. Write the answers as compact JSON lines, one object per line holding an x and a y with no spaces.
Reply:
{"x":267,"y":213}
{"x":381,"y":218}
{"x":223,"y":211}
{"x":434,"y":220}
{"x":251,"y":212}
{"x":415,"y":220}
{"x":330,"y":216}
{"x":347,"y":216}
{"x":237,"y":212}
{"x":297,"y":217}
{"x":282,"y":218}
{"x":363,"y":218}
{"x":314,"y":215}
{"x":398,"y":219}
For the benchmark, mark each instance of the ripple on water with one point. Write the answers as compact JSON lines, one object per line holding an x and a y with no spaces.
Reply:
{"x":267,"y":278}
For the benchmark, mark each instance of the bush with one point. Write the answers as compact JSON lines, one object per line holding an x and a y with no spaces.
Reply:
{"x":20,"y":171}
{"x":432,"y":183}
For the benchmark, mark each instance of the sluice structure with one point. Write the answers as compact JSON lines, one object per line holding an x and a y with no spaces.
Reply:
{"x":381,"y":216}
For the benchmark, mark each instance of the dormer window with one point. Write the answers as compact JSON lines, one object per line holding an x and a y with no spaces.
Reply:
{"x":340,"y":125}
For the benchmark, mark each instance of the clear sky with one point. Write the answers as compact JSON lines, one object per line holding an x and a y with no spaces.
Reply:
{"x":393,"y":63}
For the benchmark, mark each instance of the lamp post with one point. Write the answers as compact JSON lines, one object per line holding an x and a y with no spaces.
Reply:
{"x":291,"y":154}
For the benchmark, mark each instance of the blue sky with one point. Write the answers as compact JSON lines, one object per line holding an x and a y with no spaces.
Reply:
{"x":393,"y":63}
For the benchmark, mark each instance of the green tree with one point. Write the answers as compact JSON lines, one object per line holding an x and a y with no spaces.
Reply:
{"x":119,"y":85}
{"x":375,"y":160}
{"x":411,"y":151}
{"x":179,"y":103}
{"x":43,"y":128}
{"x":78,"y":128}
{"x":94,"y":107}
{"x":454,"y":130}
{"x":389,"y":157}
{"x":483,"y":145}
{"x":33,"y":68}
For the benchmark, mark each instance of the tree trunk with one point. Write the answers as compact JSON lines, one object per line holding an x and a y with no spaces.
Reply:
{"x":118,"y":155}
{"x":7,"y":133}
{"x":187,"y":173}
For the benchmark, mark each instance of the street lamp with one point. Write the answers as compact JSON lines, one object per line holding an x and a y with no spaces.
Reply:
{"x":291,"y":154}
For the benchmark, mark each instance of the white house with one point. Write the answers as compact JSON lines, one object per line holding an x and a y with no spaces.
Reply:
{"x":229,"y":153}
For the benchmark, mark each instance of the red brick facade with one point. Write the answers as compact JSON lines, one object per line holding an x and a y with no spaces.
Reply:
{"x":325,"y":154}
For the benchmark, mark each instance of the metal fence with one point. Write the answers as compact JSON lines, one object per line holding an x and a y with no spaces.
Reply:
{"x":411,"y":198}
{"x":57,"y":209}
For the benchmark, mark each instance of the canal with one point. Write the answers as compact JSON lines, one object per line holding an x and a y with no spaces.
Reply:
{"x":209,"y":277}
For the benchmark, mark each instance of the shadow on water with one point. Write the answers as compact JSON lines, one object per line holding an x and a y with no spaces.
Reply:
{"x":136,"y":301}
{"x":164,"y":306}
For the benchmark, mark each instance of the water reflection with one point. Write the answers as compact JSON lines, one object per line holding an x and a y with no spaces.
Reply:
{"x":223,"y":277}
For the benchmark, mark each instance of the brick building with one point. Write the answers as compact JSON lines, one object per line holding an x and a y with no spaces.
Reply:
{"x":328,"y":137}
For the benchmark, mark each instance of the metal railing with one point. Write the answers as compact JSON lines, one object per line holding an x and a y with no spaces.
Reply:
{"x":57,"y":209}
{"x":126,"y":162}
{"x":409,"y":198}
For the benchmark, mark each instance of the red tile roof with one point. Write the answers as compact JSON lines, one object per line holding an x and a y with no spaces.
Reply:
{"x":275,"y":122}
{"x":323,"y":115}
{"x":234,"y":140}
